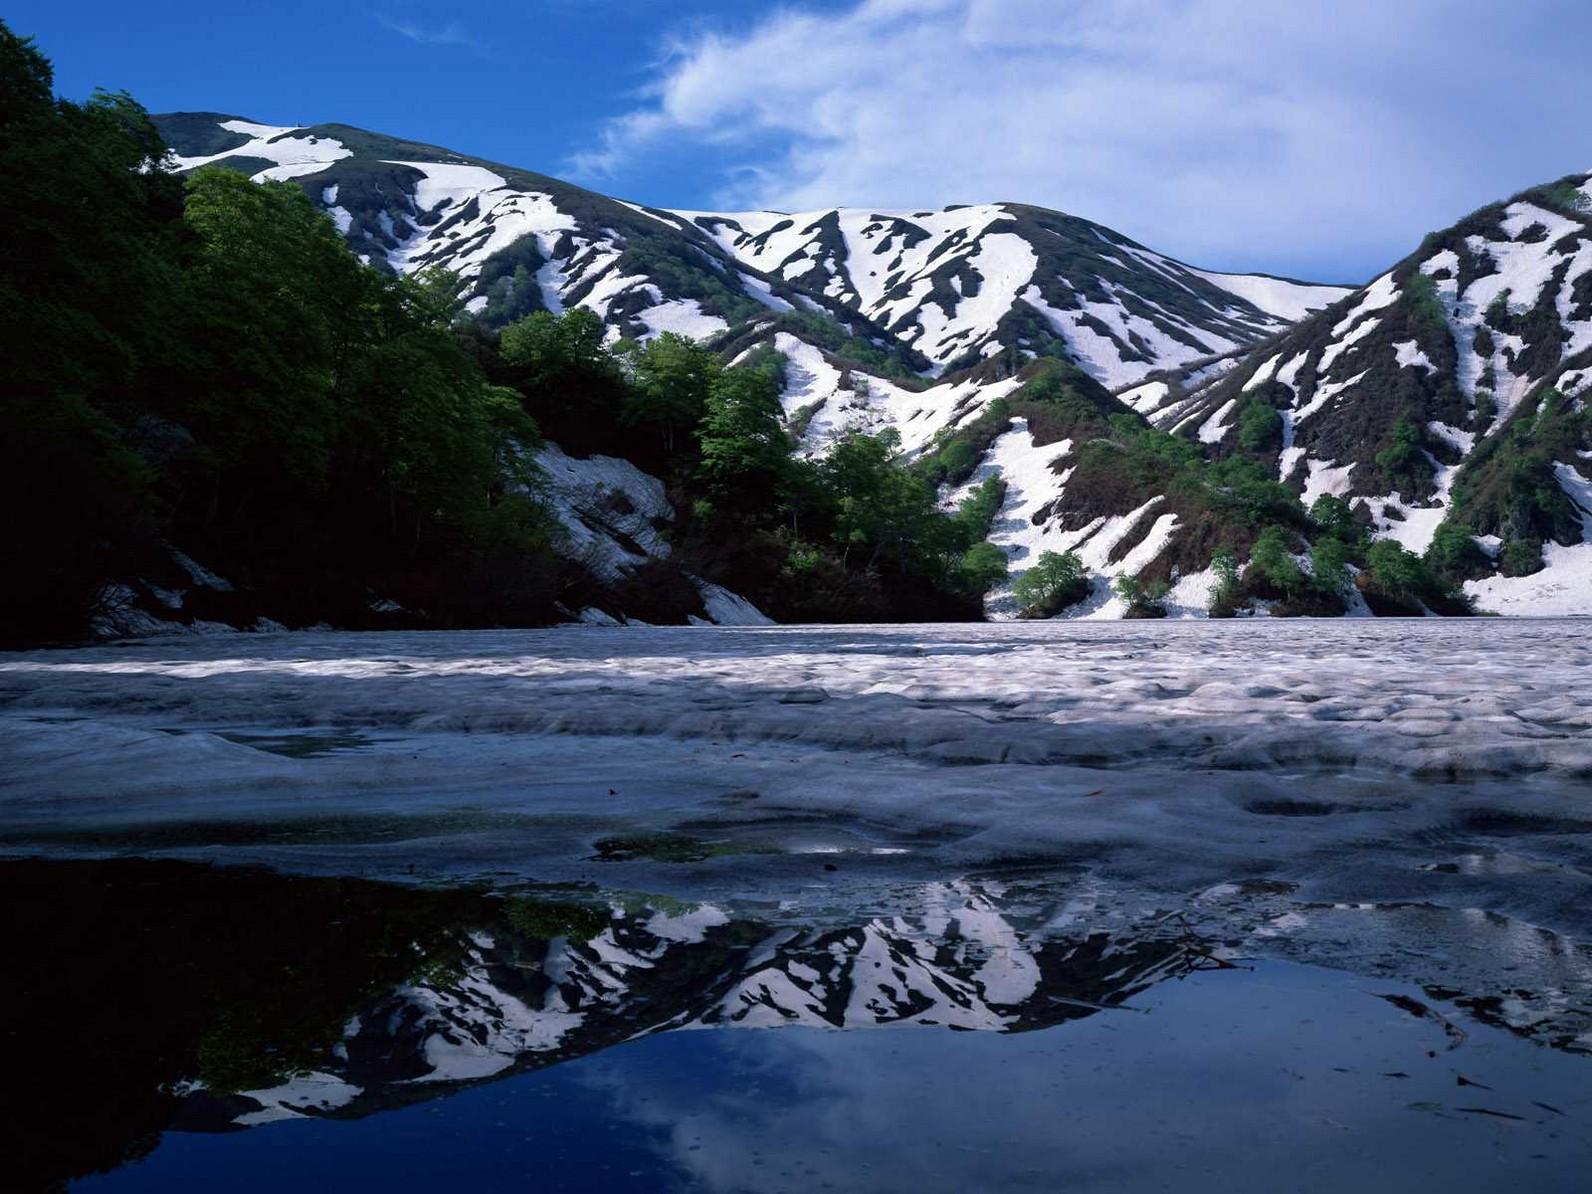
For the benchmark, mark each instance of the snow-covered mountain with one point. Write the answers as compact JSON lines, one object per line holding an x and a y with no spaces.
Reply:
{"x":964,"y":283}
{"x":1453,"y":387}
{"x":1448,"y":387}
{"x":944,"y":289}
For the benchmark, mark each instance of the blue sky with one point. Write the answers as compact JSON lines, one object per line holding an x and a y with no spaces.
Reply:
{"x":528,"y":82}
{"x":1313,"y":140}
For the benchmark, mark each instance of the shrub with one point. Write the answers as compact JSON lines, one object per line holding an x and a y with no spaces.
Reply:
{"x":1402,"y":460}
{"x":1224,"y":591}
{"x":802,"y":557}
{"x":1247,"y":492}
{"x":1274,"y":563}
{"x":1144,"y":599}
{"x":957,"y":458}
{"x":1486,"y":411}
{"x":1395,"y":571}
{"x":982,"y":567}
{"x":1334,"y":516}
{"x":1424,"y":301}
{"x":1497,"y":315}
{"x":1565,"y":194}
{"x":1056,"y":581}
{"x":976,"y":513}
{"x":1329,"y":566}
{"x":1259,"y":426}
{"x":1454,"y":555}
{"x":1521,"y":557}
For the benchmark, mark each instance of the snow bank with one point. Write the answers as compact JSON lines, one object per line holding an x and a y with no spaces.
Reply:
{"x":731,"y":609}
{"x":1564,"y":585}
{"x":279,"y":144}
{"x":608,"y":509}
{"x":684,"y":317}
{"x":1277,"y":296}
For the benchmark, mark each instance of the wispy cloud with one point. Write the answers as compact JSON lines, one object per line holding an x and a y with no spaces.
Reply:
{"x":451,"y":34}
{"x":1291,"y":137}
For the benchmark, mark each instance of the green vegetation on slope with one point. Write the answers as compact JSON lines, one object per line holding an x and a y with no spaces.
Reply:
{"x":203,"y":363}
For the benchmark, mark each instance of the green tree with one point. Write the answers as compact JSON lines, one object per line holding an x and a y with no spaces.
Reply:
{"x":1243,"y":490}
{"x":568,"y":379}
{"x":1057,"y":580}
{"x":1453,"y":553}
{"x":670,"y":379}
{"x":982,"y":567}
{"x":1272,"y":558}
{"x":1401,"y":459}
{"x":744,"y":446}
{"x":86,"y":292}
{"x":955,"y":459}
{"x":1395,"y":571}
{"x":877,"y":503}
{"x":976,"y":512}
{"x":1145,"y":599}
{"x":1521,"y":557}
{"x":1333,"y":516}
{"x":277,"y":310}
{"x":1259,"y":426}
{"x":1329,"y":566}
{"x":1224,"y":586}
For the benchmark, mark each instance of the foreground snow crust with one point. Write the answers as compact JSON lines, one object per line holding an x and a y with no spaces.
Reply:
{"x":1165,"y":755}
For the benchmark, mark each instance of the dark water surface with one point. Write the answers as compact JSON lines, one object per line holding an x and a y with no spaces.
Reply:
{"x":181,"y":1027}
{"x":1284,"y":1078}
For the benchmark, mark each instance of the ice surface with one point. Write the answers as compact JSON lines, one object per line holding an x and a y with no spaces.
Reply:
{"x":1339,"y":754}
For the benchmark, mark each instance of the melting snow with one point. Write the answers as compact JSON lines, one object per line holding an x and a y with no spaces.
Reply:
{"x":684,"y":317}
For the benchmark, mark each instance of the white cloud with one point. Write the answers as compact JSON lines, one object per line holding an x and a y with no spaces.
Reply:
{"x":1235,"y":133}
{"x":451,"y":34}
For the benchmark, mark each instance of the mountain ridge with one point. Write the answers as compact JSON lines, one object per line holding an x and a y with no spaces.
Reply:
{"x":294,"y":151}
{"x":931,"y":324}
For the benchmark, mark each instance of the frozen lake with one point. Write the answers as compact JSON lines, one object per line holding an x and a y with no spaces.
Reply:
{"x":906,"y":826}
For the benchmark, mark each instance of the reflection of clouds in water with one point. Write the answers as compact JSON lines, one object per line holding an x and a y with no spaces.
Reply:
{"x":805,"y":1109}
{"x":1223,"y":1085}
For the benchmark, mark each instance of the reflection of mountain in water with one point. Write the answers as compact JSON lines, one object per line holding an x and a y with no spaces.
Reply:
{"x":512,"y":1001}
{"x":160,"y":995}
{"x":169,"y":995}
